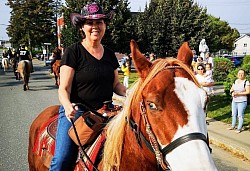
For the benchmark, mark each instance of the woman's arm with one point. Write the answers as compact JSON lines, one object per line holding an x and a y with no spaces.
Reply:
{"x":66,"y":77}
{"x":243,"y":93}
{"x":118,"y":87}
{"x":206,"y":84}
{"x":232,"y":89}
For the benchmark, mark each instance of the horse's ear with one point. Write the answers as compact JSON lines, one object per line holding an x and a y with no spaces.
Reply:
{"x":142,"y":65}
{"x":185,"y":54}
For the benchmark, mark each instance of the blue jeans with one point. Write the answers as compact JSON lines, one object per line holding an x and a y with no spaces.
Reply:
{"x":238,"y":109}
{"x":66,"y":150}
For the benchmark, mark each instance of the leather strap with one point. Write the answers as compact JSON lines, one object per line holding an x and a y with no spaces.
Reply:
{"x":179,"y":141}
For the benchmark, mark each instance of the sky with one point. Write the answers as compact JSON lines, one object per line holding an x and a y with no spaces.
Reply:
{"x":235,"y":12}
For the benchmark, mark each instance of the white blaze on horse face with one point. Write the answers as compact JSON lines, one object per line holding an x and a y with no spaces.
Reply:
{"x":193,"y":155}
{"x":194,"y":101}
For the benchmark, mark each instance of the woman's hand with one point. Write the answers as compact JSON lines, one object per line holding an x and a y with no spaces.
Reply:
{"x":70,"y":111}
{"x":238,"y":94}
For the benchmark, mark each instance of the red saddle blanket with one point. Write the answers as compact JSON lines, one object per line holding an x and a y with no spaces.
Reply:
{"x":45,"y":146}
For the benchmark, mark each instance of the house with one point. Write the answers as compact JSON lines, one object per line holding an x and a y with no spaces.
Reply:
{"x":242,"y":45}
{"x":5,"y":44}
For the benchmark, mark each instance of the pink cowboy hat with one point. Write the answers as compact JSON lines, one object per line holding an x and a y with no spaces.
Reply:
{"x":91,"y":11}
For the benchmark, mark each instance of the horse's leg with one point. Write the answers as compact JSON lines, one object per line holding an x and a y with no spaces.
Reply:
{"x":4,"y":64}
{"x":18,"y":76}
{"x":55,"y":78}
{"x":24,"y":87}
{"x":27,"y":82}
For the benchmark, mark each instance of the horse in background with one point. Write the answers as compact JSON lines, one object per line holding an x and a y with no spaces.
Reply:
{"x":56,"y":71}
{"x":5,"y":64}
{"x":161,"y":126}
{"x":23,"y":71}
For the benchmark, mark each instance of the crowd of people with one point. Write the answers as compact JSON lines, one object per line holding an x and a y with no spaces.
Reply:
{"x":22,"y":53}
{"x":203,"y":69}
{"x":15,"y":56}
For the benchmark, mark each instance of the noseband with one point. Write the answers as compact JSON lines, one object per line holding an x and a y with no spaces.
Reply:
{"x":153,"y":144}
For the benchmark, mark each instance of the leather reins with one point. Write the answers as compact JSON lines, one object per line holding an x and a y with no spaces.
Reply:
{"x":153,"y":144}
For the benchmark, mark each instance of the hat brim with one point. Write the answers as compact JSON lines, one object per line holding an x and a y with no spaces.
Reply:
{"x":78,"y":19}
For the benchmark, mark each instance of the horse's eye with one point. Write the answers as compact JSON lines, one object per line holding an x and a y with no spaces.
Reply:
{"x":152,"y":106}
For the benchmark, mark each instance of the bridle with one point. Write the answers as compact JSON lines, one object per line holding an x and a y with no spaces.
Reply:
{"x":153,"y":144}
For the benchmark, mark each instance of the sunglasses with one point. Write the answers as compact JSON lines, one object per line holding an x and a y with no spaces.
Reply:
{"x":200,"y":69}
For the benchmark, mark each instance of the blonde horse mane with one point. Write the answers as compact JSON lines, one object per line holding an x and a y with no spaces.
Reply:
{"x":115,"y":128}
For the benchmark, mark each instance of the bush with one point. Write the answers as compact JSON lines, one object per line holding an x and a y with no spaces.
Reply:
{"x":222,"y":67}
{"x":246,"y":60}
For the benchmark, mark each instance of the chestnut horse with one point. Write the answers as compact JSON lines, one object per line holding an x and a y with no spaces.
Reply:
{"x":56,"y":71}
{"x":162,"y":124}
{"x":23,"y":71}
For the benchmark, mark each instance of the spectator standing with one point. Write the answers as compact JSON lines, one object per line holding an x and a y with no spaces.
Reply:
{"x":199,"y":62}
{"x":209,"y":59}
{"x":209,"y":77}
{"x":201,"y":78}
{"x":151,"y":57}
{"x":126,"y":71}
{"x":239,"y":91}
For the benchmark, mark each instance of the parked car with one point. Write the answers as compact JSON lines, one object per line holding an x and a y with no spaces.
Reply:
{"x":237,"y":60}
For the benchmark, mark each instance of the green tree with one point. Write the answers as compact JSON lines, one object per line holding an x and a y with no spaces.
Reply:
{"x":33,"y":22}
{"x":118,"y":30}
{"x":118,"y":34}
{"x":169,"y":23}
{"x":220,"y":35}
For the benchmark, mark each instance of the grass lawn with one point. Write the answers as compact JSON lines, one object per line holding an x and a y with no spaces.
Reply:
{"x":132,"y":78}
{"x":219,"y":106}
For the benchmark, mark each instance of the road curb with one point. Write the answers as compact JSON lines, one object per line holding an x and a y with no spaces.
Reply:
{"x":235,"y":149}
{"x":229,"y":140}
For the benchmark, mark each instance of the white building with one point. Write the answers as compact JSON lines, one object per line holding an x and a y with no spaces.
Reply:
{"x":242,"y":45}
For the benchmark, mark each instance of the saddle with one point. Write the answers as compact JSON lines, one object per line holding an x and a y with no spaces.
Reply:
{"x":89,"y":125}
{"x":45,"y":142}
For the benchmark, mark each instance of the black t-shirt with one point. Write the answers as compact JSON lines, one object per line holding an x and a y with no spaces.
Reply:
{"x":93,"y":79}
{"x":24,"y":54}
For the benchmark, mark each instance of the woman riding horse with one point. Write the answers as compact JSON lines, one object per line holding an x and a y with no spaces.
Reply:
{"x":161,"y":126}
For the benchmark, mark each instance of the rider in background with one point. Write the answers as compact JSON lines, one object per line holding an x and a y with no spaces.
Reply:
{"x":8,"y":54}
{"x":24,"y":54}
{"x":15,"y":60}
{"x":57,"y":55}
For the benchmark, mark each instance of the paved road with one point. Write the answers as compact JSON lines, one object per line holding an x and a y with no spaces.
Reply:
{"x":19,"y":108}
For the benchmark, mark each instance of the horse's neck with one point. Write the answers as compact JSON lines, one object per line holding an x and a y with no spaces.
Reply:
{"x":134,"y":156}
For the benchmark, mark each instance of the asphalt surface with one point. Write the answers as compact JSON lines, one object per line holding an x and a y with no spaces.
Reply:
{"x":19,"y":108}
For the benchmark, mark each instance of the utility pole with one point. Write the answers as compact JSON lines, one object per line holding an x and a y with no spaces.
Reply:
{"x":57,"y":23}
